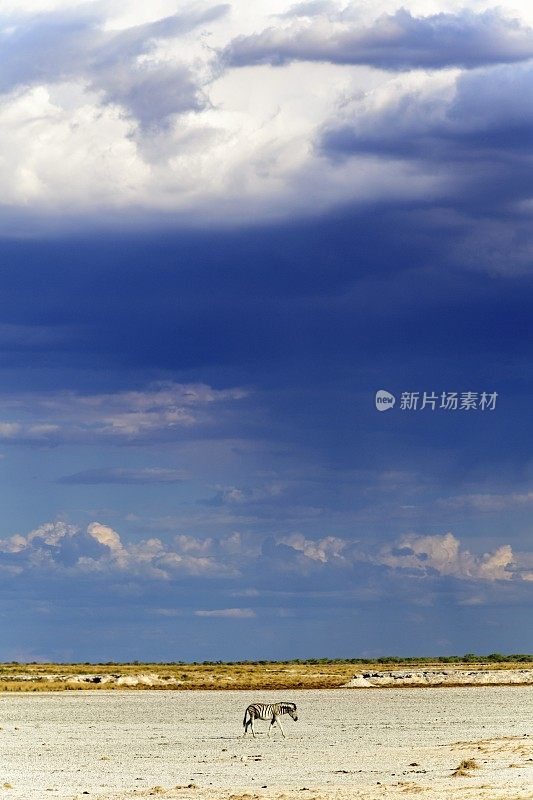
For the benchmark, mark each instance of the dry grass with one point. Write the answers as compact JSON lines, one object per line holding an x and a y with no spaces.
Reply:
{"x":464,"y":768}
{"x":249,"y":676}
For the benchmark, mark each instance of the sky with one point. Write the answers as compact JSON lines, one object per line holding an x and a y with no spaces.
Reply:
{"x":224,"y":228}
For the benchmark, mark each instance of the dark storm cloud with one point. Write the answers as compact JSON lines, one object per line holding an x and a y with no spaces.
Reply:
{"x":488,"y":117}
{"x":393,"y":42}
{"x":62,"y":46}
{"x":200,"y":305}
{"x":312,"y":330}
{"x":476,"y":138}
{"x":252,"y":356}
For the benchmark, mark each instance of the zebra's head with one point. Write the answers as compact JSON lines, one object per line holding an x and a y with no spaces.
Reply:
{"x":291,"y":711}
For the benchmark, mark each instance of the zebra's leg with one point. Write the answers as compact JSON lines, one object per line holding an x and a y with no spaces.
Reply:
{"x":272,"y":721}
{"x":280,"y":726}
{"x":252,"y":726}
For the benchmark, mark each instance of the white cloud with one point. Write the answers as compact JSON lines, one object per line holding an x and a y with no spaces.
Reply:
{"x":168,"y":612}
{"x":51,"y":533}
{"x":233,"y":613}
{"x":8,"y":430}
{"x":59,"y":146}
{"x":108,"y":537}
{"x":117,"y":116}
{"x":161,"y":410}
{"x":443,"y":555}
{"x":125,"y":475}
{"x":119,"y":65}
{"x":324,"y":550}
{"x":489,"y":502}
{"x":60,"y":549}
{"x":234,"y":495}
{"x":192,"y":544}
{"x":175,"y":564}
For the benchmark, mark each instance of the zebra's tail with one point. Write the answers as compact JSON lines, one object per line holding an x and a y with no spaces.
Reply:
{"x":244,"y":720}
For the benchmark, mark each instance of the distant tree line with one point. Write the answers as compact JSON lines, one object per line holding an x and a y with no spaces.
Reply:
{"x":468,"y":658}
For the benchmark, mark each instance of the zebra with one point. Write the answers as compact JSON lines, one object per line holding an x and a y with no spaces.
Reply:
{"x":271,"y":711}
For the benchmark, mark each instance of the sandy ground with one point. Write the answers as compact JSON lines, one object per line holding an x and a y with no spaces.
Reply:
{"x":387,"y":743}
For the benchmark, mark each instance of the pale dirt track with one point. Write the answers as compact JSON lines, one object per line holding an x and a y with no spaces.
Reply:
{"x":385,"y":743}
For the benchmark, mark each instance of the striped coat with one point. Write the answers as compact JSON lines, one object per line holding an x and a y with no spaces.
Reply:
{"x":270,"y":711}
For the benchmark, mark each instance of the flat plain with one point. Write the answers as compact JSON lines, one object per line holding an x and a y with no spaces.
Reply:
{"x":365,"y":743}
{"x":275,"y":676}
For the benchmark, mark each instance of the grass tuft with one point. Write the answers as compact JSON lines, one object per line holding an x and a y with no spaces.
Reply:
{"x":464,"y":768}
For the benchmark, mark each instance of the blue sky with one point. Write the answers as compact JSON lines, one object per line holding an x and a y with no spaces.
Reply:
{"x":224,"y":228}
